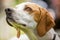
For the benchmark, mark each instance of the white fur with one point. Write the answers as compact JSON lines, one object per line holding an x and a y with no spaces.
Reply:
{"x":23,"y":17}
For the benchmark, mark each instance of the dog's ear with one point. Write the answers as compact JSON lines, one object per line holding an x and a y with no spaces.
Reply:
{"x":45,"y":22}
{"x":43,"y":18}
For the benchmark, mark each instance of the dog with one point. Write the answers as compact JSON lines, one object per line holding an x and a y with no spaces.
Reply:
{"x":35,"y":17}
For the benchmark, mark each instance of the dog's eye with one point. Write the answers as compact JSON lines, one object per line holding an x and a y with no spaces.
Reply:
{"x":28,"y":9}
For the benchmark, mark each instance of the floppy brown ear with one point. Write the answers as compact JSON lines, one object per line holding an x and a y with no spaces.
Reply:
{"x":42,"y":17}
{"x":45,"y":23}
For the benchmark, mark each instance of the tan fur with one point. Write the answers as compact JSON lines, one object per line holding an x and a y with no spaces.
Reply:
{"x":44,"y":21}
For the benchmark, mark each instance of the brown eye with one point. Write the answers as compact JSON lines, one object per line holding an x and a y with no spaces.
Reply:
{"x":28,"y":9}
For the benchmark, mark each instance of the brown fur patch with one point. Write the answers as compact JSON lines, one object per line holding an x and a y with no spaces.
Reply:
{"x":42,"y":17}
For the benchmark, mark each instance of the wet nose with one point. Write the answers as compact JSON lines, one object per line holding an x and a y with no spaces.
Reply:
{"x":8,"y":10}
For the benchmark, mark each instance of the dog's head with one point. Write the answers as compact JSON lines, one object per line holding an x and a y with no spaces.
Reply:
{"x":31,"y":16}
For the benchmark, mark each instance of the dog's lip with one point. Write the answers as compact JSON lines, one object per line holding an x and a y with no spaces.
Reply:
{"x":7,"y":19}
{"x":23,"y":25}
{"x":11,"y":20}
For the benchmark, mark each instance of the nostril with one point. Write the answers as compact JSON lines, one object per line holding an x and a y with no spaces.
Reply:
{"x":8,"y":10}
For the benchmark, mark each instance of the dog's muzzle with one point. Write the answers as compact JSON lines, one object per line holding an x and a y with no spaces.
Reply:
{"x":9,"y":15}
{"x":8,"y":12}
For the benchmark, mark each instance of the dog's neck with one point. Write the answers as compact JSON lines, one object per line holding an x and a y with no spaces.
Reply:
{"x":43,"y":37}
{"x":35,"y":33}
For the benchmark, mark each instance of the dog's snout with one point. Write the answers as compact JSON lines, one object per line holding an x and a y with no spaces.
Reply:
{"x":8,"y":10}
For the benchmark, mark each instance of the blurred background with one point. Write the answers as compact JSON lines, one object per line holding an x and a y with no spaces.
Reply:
{"x":6,"y":32}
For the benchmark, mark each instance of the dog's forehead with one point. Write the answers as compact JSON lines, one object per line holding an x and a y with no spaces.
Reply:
{"x":27,"y":4}
{"x":22,"y":5}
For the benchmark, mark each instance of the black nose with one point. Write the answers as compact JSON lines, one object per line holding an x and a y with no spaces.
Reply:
{"x":8,"y":10}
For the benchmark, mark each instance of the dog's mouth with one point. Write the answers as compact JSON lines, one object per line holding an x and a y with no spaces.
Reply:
{"x":9,"y":17}
{"x":8,"y":21}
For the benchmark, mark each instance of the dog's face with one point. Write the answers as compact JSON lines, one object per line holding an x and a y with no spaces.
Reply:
{"x":21,"y":16}
{"x":31,"y":16}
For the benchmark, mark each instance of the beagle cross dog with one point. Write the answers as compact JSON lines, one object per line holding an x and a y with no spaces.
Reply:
{"x":35,"y":17}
